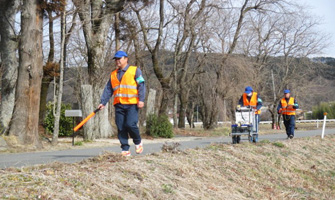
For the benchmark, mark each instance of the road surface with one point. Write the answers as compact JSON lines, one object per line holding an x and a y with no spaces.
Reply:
{"x":76,"y":155}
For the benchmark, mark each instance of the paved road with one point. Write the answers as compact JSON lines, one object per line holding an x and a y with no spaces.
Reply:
{"x":76,"y":155}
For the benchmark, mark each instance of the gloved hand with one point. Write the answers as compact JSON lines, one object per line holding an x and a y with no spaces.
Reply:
{"x":238,"y":107}
{"x":279,"y":111}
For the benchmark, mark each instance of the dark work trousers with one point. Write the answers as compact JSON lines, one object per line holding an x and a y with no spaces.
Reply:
{"x":289,"y":122}
{"x":257,"y":119}
{"x":126,"y":118}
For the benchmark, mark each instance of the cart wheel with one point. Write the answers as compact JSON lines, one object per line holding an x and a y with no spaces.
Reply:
{"x":234,"y":138}
{"x":238,"y":139}
{"x":255,"y":138}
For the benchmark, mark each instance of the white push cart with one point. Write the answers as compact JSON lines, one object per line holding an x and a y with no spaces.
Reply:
{"x":246,"y":123}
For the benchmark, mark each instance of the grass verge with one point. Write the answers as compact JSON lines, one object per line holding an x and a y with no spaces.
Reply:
{"x":300,"y":169}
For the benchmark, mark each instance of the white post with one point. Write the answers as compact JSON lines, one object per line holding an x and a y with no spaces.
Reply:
{"x":317,"y":123}
{"x":324,"y":125}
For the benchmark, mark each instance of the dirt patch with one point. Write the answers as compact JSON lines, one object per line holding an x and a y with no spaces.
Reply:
{"x":292,"y":169}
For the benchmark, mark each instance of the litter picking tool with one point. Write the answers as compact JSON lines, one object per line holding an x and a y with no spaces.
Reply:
{"x":85,"y":120}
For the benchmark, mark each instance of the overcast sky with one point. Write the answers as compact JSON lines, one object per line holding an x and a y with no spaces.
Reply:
{"x":325,"y":9}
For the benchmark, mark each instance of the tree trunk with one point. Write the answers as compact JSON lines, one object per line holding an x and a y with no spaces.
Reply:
{"x":274,"y":116}
{"x":224,"y":110}
{"x":176,"y":123}
{"x":24,"y":124}
{"x":165,"y":100}
{"x":164,"y":81}
{"x":43,"y":101}
{"x":151,"y":102}
{"x":209,"y":113}
{"x":61,"y":76}
{"x":184,"y":94}
{"x":219,"y":87}
{"x":117,"y":31}
{"x":190,"y":115}
{"x":175,"y":110}
{"x":273,"y":119}
{"x":8,"y":47}
{"x":87,"y":106}
{"x":96,"y":17}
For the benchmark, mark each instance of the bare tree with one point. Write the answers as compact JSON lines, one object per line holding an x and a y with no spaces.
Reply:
{"x":9,"y":62}
{"x":154,"y":48}
{"x":280,"y":44}
{"x":96,"y":17}
{"x":51,"y":68}
{"x":190,"y":19}
{"x":227,"y":28}
{"x":61,"y":78}
{"x":24,"y":123}
{"x":225,"y":34}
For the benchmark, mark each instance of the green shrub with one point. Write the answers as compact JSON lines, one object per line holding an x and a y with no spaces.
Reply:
{"x":65,"y":123}
{"x":323,"y":107}
{"x":78,"y":143}
{"x":159,"y":126}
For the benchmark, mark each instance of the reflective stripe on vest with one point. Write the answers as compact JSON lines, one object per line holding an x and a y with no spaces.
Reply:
{"x":125,"y":92}
{"x":126,"y":95}
{"x":253,"y":101}
{"x":285,"y":110}
{"x":124,"y":86}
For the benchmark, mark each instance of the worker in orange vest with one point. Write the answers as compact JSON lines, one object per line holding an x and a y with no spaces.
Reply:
{"x":126,"y":84}
{"x":287,"y":107}
{"x":251,"y":98}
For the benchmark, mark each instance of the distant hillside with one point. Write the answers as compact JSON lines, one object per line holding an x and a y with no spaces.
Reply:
{"x":325,"y":67}
{"x":326,"y":60}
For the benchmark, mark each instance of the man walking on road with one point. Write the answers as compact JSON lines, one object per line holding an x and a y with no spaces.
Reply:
{"x":126,"y":84}
{"x":287,"y":108}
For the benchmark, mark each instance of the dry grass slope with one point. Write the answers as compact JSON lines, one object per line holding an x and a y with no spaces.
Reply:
{"x":293,"y":169}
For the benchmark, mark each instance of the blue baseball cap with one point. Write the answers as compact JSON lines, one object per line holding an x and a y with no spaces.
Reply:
{"x":120,"y":54}
{"x":248,"y":90}
{"x":287,"y":91}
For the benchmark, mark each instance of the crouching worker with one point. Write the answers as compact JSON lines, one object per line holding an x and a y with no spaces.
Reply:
{"x":287,"y":107}
{"x":252,"y":99}
{"x":126,"y":84}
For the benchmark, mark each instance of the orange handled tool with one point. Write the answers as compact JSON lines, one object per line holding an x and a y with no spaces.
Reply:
{"x":85,"y":120}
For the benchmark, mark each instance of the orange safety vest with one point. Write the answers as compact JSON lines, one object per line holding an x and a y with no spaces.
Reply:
{"x":125,"y":92}
{"x":285,"y":110}
{"x":253,"y":101}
